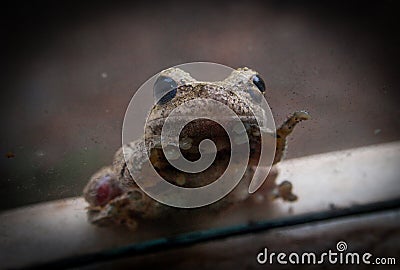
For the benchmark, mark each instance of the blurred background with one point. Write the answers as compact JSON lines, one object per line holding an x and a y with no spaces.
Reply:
{"x":69,"y":70}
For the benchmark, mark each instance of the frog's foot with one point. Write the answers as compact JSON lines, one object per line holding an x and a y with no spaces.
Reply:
{"x":285,"y":130}
{"x":102,"y":218}
{"x":284,"y":191}
{"x":114,"y":212}
{"x":126,"y":209}
{"x":271,"y":191}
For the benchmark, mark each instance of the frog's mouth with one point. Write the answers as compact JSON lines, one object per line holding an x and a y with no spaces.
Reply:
{"x":200,"y":122}
{"x":161,"y":120}
{"x":190,"y":138}
{"x":198,"y":130}
{"x":203,"y":127}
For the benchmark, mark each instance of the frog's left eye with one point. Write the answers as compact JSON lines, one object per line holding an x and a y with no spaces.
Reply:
{"x":259,"y":83}
{"x":164,"y":89}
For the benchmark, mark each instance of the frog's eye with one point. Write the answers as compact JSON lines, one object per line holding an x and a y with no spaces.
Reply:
{"x":259,"y":83}
{"x":164,"y":89}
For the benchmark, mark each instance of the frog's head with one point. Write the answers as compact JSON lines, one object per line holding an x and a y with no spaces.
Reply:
{"x":242,"y":91}
{"x":178,"y":95}
{"x":173,"y":86}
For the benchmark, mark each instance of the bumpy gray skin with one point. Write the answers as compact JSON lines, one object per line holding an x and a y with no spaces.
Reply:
{"x":112,"y":193}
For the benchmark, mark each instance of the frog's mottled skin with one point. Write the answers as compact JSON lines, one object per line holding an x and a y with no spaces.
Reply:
{"x":113,"y":195}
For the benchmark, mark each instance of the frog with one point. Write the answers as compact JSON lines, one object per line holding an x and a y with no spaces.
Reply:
{"x":112,"y":193}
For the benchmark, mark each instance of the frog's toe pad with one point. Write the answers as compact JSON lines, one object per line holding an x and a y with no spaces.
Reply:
{"x":301,"y":116}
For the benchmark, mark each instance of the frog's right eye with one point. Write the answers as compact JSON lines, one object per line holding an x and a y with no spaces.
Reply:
{"x":164,"y":89}
{"x":259,"y":82}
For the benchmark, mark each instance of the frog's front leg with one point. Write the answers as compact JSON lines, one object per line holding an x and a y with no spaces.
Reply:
{"x":113,"y":195}
{"x":285,"y":130}
{"x":102,"y":188}
{"x":104,"y":193}
{"x":284,"y":189}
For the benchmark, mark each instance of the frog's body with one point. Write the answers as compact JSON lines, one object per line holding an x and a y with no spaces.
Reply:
{"x":114,"y":196}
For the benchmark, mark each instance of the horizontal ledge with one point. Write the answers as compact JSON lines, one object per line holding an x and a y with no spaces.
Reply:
{"x":58,"y":229}
{"x":192,"y":238}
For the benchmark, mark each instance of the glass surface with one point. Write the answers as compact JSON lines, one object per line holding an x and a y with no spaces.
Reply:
{"x":68,"y":77}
